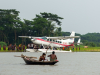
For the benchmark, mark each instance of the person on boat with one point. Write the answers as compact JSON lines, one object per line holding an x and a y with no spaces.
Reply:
{"x":42,"y":58}
{"x":52,"y":56}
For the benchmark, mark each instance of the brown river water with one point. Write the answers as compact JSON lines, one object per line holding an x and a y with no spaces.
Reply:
{"x":75,"y":63}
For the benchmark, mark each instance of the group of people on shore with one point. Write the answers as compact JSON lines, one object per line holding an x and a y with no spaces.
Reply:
{"x":52,"y":56}
{"x":13,"y":47}
{"x":19,"y":47}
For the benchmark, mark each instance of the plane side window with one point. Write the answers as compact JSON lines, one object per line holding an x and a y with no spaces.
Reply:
{"x":50,"y":39}
{"x":53,"y":40}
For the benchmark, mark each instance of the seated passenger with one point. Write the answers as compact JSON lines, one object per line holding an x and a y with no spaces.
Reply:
{"x":52,"y":56}
{"x":42,"y":58}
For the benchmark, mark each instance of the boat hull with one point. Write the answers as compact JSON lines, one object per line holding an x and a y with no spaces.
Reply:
{"x":36,"y":62}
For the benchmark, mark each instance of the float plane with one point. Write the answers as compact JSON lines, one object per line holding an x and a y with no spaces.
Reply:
{"x":57,"y":42}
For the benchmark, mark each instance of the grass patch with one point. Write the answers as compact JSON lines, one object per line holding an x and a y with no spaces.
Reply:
{"x":82,"y":49}
{"x":89,"y":49}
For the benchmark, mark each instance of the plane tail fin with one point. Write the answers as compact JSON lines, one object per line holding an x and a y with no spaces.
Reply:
{"x":79,"y":42}
{"x":72,"y":34}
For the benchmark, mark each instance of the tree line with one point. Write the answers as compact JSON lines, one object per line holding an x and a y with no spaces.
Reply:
{"x":89,"y":39}
{"x":11,"y":26}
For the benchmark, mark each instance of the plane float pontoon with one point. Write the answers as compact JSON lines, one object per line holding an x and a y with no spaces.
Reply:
{"x":44,"y":50}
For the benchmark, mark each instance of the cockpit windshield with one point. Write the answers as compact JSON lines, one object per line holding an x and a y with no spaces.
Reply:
{"x":44,"y":38}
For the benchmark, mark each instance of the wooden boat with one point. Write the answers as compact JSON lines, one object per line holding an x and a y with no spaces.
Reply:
{"x":31,"y":61}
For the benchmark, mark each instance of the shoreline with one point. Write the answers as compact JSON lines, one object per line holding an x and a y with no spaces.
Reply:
{"x":76,"y":49}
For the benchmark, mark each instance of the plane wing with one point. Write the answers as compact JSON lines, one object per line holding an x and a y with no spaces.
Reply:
{"x":63,"y":37}
{"x":59,"y":37}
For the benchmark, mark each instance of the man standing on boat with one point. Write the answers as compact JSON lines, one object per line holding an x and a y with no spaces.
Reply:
{"x":52,"y":56}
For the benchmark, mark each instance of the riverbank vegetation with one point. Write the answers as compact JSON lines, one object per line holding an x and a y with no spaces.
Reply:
{"x":82,"y":49}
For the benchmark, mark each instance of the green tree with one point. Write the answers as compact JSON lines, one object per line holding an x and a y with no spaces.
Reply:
{"x":7,"y":19}
{"x":52,"y":17}
{"x":44,"y":24}
{"x":92,"y":44}
{"x":58,"y":31}
{"x":39,"y":25}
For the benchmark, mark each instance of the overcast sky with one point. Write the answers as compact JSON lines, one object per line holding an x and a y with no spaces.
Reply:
{"x":81,"y":16}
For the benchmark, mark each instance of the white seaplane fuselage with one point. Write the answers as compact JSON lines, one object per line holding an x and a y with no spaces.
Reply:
{"x":57,"y":43}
